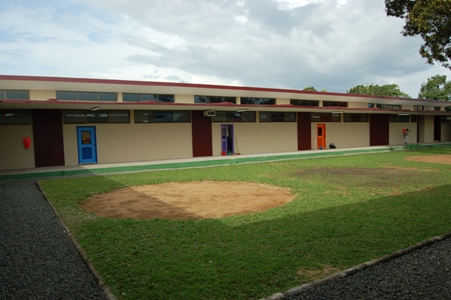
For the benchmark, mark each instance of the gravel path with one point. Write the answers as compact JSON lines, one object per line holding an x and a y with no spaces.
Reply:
{"x":424,"y":273}
{"x":37,"y":258}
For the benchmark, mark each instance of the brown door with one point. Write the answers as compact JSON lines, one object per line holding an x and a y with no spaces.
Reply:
{"x":379,"y":129}
{"x":48,"y":138}
{"x":201,"y":132}
{"x":437,"y":129}
{"x":321,"y":136}
{"x":304,"y":131}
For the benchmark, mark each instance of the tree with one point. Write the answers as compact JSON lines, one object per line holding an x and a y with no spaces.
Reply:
{"x":436,"y":88}
{"x":310,"y":88}
{"x":431,"y":19}
{"x":391,"y":90}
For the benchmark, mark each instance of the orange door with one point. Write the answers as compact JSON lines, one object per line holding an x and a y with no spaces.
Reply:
{"x":321,"y":136}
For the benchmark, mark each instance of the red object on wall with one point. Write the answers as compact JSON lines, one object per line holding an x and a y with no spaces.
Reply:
{"x":26,"y":142}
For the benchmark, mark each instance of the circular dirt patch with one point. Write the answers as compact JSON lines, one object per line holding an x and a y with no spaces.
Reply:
{"x":439,"y":159}
{"x":187,"y":200}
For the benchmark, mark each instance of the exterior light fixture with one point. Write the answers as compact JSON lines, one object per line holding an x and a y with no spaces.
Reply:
{"x":403,"y":114}
{"x":242,"y":110}
{"x":95,"y":108}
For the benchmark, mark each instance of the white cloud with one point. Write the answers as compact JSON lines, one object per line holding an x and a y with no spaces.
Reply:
{"x":330,"y":44}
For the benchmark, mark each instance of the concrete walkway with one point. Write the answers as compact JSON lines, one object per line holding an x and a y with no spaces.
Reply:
{"x":199,"y":161}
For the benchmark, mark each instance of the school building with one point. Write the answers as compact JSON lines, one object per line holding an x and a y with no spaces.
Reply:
{"x":54,"y":121}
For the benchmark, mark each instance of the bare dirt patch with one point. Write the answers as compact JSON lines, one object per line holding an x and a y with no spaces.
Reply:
{"x":438,"y":159}
{"x":187,"y":200}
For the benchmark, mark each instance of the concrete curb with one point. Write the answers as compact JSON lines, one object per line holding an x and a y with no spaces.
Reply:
{"x":213,"y":161}
{"x":358,"y":268}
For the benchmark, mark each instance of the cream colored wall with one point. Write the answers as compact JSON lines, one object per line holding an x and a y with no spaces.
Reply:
{"x":13,"y":155}
{"x":70,"y":144}
{"x":282,"y":101}
{"x":396,"y":137}
{"x":254,"y":138}
{"x":344,"y":134}
{"x":133,"y":142}
{"x":429,"y":129}
{"x":446,"y":132}
{"x":42,"y":95}
{"x":178,"y":98}
{"x":357,"y":105}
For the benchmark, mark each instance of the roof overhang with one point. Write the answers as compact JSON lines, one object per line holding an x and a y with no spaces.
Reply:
{"x":152,"y":105}
{"x":128,"y":86}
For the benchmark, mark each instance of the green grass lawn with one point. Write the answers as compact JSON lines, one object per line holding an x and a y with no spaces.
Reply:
{"x":347,"y":210}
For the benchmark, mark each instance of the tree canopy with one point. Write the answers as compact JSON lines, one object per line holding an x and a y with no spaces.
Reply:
{"x":436,"y":88}
{"x":431,"y":19}
{"x":391,"y":90}
{"x":310,"y":88}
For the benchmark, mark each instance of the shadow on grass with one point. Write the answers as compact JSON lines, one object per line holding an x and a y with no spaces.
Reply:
{"x":207,"y":259}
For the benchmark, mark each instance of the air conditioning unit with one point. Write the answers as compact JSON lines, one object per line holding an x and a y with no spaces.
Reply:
{"x":209,"y":113}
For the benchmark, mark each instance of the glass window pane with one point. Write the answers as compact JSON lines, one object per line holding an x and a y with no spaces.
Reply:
{"x":335,"y":118}
{"x":148,"y":97}
{"x":130,"y":97}
{"x":268,"y":101}
{"x":264,"y":116}
{"x":200,"y":99}
{"x":2,"y":94}
{"x":74,"y":117}
{"x":364,"y":118}
{"x":248,"y":116}
{"x":86,"y":137}
{"x":142,"y":116}
{"x":18,"y":117}
{"x":107,"y":96}
{"x":165,"y":98}
{"x":18,"y":95}
{"x":304,"y":102}
{"x":290,"y":117}
{"x":257,"y":101}
{"x":233,"y":116}
{"x":119,"y":116}
{"x":220,"y":116}
{"x":162,"y":116}
{"x":277,"y":117}
{"x":182,"y":116}
{"x":87,"y":96}
{"x":413,"y":118}
{"x":66,"y":95}
{"x":2,"y":117}
{"x":100,"y":116}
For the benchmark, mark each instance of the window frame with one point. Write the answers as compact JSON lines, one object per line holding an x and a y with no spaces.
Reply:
{"x":277,"y":117}
{"x":88,"y":96}
{"x":84,"y":114}
{"x":151,"y":116}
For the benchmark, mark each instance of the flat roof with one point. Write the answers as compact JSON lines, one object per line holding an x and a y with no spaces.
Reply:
{"x":133,"y":86}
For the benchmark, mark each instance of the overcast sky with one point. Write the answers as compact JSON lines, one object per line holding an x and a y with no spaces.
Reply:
{"x":329,"y":44}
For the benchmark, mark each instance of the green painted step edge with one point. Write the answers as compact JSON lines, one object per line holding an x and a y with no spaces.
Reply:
{"x":219,"y":162}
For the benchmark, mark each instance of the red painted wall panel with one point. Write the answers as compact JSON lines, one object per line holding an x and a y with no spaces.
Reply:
{"x":48,"y":138}
{"x":201,"y":132}
{"x":304,"y":131}
{"x":379,"y":129}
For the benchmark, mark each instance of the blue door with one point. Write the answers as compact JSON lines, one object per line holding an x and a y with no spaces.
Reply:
{"x":87,"y":150}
